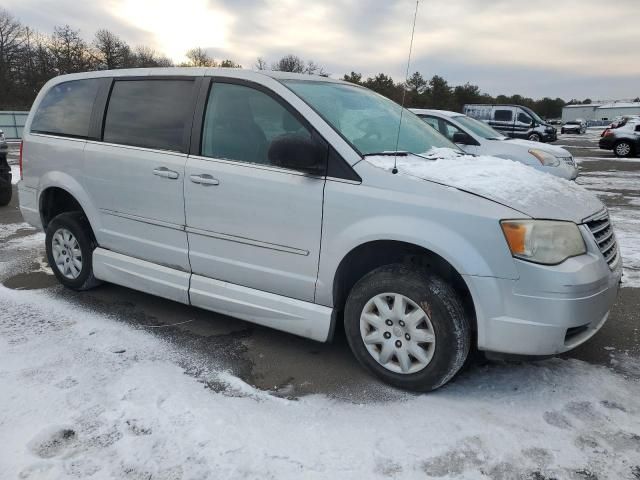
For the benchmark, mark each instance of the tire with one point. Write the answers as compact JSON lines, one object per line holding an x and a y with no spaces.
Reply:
{"x":562,"y":131}
{"x":534,"y":137}
{"x":6,"y":189}
{"x":426,"y":296}
{"x":6,"y":192}
{"x":59,"y":246}
{"x":623,"y":149}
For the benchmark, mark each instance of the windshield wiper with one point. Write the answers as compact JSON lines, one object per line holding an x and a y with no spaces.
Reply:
{"x":388,"y":153}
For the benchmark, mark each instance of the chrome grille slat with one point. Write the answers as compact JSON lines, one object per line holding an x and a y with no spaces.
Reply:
{"x":602,"y":231}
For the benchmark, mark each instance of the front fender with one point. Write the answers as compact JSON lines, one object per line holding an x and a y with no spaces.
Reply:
{"x":461,"y":228}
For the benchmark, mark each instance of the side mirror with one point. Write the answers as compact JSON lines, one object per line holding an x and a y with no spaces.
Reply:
{"x":463,"y":138}
{"x":298,"y":152}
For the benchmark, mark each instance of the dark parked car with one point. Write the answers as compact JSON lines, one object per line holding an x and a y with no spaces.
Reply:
{"x":514,"y":121}
{"x":624,"y":140}
{"x":5,"y":173}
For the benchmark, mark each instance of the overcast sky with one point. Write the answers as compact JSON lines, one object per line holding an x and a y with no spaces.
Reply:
{"x":566,"y":48}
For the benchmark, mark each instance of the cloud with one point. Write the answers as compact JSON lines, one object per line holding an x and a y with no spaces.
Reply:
{"x":544,"y":47}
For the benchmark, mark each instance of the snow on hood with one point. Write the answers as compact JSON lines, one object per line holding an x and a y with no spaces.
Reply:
{"x":534,"y":193}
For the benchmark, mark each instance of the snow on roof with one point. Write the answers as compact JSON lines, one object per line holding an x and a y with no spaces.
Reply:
{"x":621,"y":105}
{"x":580,"y":105}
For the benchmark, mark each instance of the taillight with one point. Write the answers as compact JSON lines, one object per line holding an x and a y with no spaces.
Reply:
{"x":20,"y":158}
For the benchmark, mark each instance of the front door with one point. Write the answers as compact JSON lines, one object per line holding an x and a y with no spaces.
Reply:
{"x":249,"y":222}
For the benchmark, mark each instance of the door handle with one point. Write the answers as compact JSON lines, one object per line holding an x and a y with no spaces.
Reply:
{"x":204,"y":179}
{"x":165,"y":173}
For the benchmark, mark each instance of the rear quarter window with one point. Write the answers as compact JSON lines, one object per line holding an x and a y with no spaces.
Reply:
{"x":66,"y":109}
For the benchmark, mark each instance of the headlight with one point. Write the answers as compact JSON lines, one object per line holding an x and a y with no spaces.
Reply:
{"x":545,"y":158}
{"x":543,"y":241}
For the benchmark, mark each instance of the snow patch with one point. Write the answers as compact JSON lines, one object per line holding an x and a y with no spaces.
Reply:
{"x":72,"y":408}
{"x":505,"y":181}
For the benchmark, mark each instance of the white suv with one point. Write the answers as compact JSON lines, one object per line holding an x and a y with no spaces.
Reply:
{"x":289,"y":201}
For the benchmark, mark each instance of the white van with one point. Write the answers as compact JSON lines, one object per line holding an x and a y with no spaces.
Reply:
{"x":478,"y":138}
{"x":290,"y":201}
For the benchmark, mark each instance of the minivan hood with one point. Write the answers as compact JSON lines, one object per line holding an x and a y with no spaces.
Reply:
{"x":534,"y":193}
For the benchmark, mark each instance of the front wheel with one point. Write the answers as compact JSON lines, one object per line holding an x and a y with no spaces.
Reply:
{"x":534,"y":137}
{"x":623,"y":149}
{"x":70,"y":245}
{"x":408,"y":327}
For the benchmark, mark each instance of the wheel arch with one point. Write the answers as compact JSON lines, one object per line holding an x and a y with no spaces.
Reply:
{"x":370,"y":255}
{"x":59,"y":193}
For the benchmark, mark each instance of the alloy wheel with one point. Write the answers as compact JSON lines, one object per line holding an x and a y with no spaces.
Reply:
{"x":623,"y":149}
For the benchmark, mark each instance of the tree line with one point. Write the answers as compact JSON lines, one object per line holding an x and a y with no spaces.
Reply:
{"x":28,"y":59}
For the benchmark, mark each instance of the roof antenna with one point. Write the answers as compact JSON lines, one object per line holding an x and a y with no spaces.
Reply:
{"x":404,"y":92}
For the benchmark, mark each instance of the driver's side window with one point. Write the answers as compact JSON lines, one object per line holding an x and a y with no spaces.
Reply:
{"x":524,"y":118}
{"x":450,"y":129}
{"x":241,"y":122}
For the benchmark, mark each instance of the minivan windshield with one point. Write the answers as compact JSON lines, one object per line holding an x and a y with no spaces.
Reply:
{"x":479,"y":128}
{"x":367,"y":120}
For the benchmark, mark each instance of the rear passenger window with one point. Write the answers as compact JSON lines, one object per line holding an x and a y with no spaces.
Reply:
{"x":66,"y":109}
{"x":241,"y":122}
{"x":148,"y":113}
{"x":503,"y":115}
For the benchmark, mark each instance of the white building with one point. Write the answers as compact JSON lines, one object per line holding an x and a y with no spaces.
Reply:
{"x":600,"y":111}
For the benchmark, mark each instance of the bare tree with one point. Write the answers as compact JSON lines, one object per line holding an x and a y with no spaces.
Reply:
{"x":111,"y":52}
{"x":260,"y":64}
{"x":289,"y":63}
{"x":70,"y":52}
{"x":293,"y":63}
{"x":198,"y":57}
{"x":230,"y":64}
{"x":11,"y":45}
{"x":145,"y":57}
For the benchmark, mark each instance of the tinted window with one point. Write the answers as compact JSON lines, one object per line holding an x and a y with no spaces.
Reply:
{"x":524,"y":118}
{"x":66,"y":109}
{"x":148,"y":113}
{"x":450,"y":129}
{"x":637,"y":128}
{"x":431,"y":121}
{"x":241,"y":122}
{"x":503,"y":115}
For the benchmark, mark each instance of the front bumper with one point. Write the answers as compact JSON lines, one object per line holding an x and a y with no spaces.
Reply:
{"x":548,"y":309}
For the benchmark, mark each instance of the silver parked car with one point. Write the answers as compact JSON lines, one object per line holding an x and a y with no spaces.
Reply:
{"x":479,"y":138}
{"x":290,"y":201}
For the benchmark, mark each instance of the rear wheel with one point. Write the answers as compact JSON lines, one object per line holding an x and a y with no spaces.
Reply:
{"x":70,"y":245}
{"x":408,"y":327}
{"x":534,"y":137}
{"x":623,"y":149}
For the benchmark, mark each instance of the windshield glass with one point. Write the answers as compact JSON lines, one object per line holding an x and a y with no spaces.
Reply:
{"x":534,"y":115}
{"x":368,"y":121}
{"x":479,"y":128}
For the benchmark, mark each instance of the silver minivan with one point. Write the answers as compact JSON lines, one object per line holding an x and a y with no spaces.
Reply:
{"x":297,"y":202}
{"x":479,"y":138}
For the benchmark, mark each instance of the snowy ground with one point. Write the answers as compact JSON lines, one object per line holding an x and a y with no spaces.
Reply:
{"x":90,"y":387}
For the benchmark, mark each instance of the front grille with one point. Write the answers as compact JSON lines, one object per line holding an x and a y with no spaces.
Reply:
{"x":569,"y":161}
{"x":602,"y":232}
